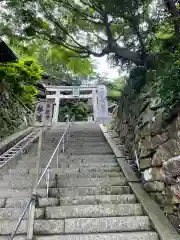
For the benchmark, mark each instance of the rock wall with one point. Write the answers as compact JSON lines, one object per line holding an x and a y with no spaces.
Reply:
{"x":146,"y":127}
{"x":13,"y":116}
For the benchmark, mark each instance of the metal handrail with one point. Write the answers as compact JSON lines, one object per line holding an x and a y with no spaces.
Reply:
{"x":46,"y":170}
{"x":22,"y":148}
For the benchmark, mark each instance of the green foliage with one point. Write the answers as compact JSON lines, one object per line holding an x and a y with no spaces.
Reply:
{"x":80,"y":110}
{"x":83,"y":27}
{"x":115,"y":88}
{"x":19,"y":79}
{"x":164,"y":38}
{"x":72,"y":61}
{"x":55,"y":60}
{"x":167,"y":80}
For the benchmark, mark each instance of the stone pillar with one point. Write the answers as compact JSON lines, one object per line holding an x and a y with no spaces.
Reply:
{"x":56,"y":108}
{"x":94,"y":101}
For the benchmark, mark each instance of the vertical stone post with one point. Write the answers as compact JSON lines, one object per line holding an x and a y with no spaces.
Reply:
{"x":94,"y":101}
{"x":56,"y":107}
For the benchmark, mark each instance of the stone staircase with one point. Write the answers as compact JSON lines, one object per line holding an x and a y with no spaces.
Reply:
{"x":89,"y":197}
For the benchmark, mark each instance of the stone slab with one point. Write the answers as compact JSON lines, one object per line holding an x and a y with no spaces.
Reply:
{"x":84,"y":191}
{"x":40,"y":227}
{"x":15,"y":213}
{"x":101,"y":169}
{"x":18,"y":193}
{"x":100,"y":210}
{"x":15,"y":238}
{"x":86,"y":174}
{"x":110,"y":224}
{"x":92,"y":158}
{"x":7,"y":227}
{"x":113,"y":181}
{"x":17,"y":202}
{"x":46,"y":202}
{"x":93,"y":164}
{"x":17,"y":172}
{"x":98,"y":199}
{"x":107,"y":236}
{"x":57,"y":170}
{"x":48,"y":227}
{"x":24,"y":184}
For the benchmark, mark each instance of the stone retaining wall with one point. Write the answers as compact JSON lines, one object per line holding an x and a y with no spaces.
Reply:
{"x":13,"y":116}
{"x":154,"y":132}
{"x":10,"y":141}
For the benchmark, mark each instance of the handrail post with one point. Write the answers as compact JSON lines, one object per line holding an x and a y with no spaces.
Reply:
{"x":57,"y":157}
{"x":63,"y":144}
{"x":30,"y":226}
{"x":67,"y":136}
{"x":47,"y":182}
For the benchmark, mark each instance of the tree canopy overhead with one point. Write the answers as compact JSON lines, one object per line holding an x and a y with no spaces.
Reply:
{"x":123,"y":28}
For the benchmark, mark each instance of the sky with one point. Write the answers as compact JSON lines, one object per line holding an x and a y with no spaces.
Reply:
{"x":104,"y":68}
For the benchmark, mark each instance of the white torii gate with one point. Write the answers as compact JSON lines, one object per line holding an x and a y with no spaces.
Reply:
{"x":98,"y":95}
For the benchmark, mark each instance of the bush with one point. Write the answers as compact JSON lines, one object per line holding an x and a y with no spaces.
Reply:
{"x":19,"y":79}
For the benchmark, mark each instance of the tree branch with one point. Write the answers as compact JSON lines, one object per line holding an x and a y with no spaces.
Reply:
{"x":100,"y":38}
{"x":108,"y":29}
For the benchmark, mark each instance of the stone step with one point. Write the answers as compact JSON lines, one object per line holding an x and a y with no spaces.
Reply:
{"x":67,"y":191}
{"x":100,"y":169}
{"x":62,"y":175}
{"x":67,"y":164}
{"x":52,"y":170}
{"x":16,"y":202}
{"x":75,"y":158}
{"x":82,"y":139}
{"x":48,"y":202}
{"x":93,"y":165}
{"x":15,"y":238}
{"x":87,"y":144}
{"x":24,"y":184}
{"x":92,"y":174}
{"x":78,"y":170}
{"x":89,"y":151}
{"x":96,"y":199}
{"x":118,"y":181}
{"x":80,"y":225}
{"x":40,"y":227}
{"x":84,"y":191}
{"x":18,"y":193}
{"x":15,"y":213}
{"x":20,"y":171}
{"x":81,"y":182}
{"x":108,"y":224}
{"x":86,"y":211}
{"x":107,"y":236}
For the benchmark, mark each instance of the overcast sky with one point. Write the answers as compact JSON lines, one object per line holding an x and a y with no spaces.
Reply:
{"x":104,"y":68}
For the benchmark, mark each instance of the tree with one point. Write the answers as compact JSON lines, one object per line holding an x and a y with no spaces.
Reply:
{"x":173,"y":7}
{"x":52,"y":58}
{"x":86,"y":27}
